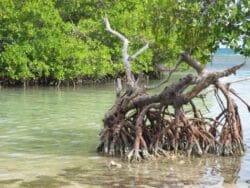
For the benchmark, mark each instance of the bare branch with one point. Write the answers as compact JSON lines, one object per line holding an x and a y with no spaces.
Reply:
{"x":168,"y":77}
{"x":119,"y":35}
{"x":227,"y":83}
{"x":239,"y":80}
{"x":125,"y":56}
{"x":204,"y":80}
{"x":138,"y":52}
{"x":192,"y":62}
{"x":228,"y":71}
{"x":242,"y":100}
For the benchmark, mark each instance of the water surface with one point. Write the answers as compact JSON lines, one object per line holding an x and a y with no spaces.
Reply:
{"x":48,"y":139}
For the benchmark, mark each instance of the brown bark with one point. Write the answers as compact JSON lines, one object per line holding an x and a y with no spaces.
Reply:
{"x":139,"y":126}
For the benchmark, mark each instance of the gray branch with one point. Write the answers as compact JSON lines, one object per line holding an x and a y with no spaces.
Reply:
{"x":138,"y":52}
{"x":119,"y":86}
{"x":125,"y":56}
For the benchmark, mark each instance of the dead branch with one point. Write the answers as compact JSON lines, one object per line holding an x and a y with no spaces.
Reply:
{"x":125,"y":56}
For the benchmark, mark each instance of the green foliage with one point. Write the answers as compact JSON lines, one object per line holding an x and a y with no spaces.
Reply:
{"x":199,"y":27}
{"x":66,"y":39}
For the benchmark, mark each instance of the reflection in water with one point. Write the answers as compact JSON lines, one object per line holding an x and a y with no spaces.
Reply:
{"x":170,"y":172}
{"x":48,"y":139}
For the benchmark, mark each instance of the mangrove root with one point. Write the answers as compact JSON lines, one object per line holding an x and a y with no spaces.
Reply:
{"x":140,"y":126}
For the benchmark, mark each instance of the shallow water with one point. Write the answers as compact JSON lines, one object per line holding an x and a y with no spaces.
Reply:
{"x":48,"y":139}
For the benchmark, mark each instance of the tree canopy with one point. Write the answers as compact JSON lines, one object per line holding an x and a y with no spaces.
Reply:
{"x":66,"y":40}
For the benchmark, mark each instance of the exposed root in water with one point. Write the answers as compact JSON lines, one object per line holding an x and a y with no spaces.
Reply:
{"x":140,"y":127}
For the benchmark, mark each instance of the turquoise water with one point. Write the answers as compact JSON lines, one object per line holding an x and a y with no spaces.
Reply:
{"x":48,"y":139}
{"x":224,"y":51}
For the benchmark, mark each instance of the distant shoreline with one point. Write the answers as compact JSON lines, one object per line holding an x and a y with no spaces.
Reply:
{"x":225,"y":51}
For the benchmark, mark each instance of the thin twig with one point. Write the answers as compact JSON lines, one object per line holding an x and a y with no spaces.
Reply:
{"x":239,"y":80}
{"x":168,"y":77}
{"x":243,"y":101}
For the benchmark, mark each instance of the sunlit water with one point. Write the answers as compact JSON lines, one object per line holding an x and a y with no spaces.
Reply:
{"x":48,"y":139}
